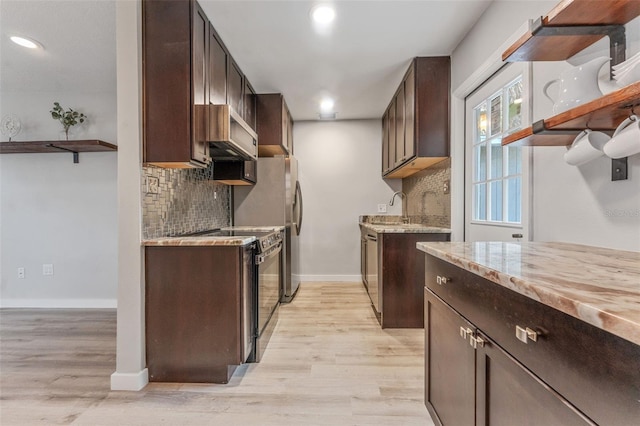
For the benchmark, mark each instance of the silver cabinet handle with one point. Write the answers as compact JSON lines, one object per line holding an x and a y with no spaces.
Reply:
{"x":526,"y":334}
{"x":476,"y":341}
{"x":442,"y":280}
{"x":464,"y":332}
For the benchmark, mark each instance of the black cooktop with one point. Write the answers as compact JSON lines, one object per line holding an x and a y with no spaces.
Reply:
{"x":230,"y":233}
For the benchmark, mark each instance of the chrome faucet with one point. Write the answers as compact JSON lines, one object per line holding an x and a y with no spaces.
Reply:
{"x":405,"y":218}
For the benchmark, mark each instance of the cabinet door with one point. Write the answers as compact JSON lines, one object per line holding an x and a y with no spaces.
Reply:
{"x":249,"y":105}
{"x":449,"y":364}
{"x":217,"y":70}
{"x":392,"y":134}
{"x":200,"y":39}
{"x":289,"y":133}
{"x":409,"y":114}
{"x":235,"y":86}
{"x":509,"y":394}
{"x":385,"y":143}
{"x":399,"y":157}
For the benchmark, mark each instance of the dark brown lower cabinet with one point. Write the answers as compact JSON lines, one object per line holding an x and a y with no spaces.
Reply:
{"x":449,"y":365}
{"x":394,"y":275}
{"x":573,"y":373}
{"x":470,"y":380}
{"x":198,"y":328}
{"x":508,"y":394}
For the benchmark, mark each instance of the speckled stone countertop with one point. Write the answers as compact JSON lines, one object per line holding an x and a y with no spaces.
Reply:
{"x":415,"y":228}
{"x":208,"y":240}
{"x":597,"y":285}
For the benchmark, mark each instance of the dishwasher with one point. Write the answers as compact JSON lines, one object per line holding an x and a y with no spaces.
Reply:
{"x":372,"y":271}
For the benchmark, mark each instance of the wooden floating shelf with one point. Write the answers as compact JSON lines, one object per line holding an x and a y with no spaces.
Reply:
{"x":48,"y":147}
{"x":602,"y":114}
{"x":570,"y":27}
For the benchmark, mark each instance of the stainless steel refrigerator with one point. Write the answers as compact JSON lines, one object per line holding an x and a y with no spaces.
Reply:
{"x":275,"y":200}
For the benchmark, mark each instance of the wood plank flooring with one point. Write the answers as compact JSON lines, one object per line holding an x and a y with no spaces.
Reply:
{"x":328,"y":363}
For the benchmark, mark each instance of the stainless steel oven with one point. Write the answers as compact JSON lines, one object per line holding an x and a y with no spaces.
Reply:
{"x":269,"y":287}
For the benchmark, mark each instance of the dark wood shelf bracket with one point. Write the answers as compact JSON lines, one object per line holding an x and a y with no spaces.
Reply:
{"x":76,"y":155}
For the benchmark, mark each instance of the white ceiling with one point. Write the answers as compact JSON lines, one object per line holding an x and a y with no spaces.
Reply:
{"x":359,"y":62}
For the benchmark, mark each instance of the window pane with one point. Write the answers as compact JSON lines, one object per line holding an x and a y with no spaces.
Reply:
{"x":481,"y":163}
{"x":515,"y":160}
{"x":480,"y":201}
{"x":514,"y":200}
{"x":496,"y":115}
{"x":514,"y":112}
{"x":481,"y":122}
{"x":496,"y":201}
{"x":496,"y":159}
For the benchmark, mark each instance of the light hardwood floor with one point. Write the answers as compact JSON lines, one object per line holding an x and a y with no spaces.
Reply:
{"x":328,"y":363}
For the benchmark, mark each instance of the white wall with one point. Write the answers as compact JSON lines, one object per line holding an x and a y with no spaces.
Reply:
{"x":55,"y":211}
{"x":579,"y":205}
{"x":339,"y":172}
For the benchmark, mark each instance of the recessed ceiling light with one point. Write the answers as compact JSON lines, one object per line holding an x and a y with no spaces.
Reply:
{"x":323,"y":14}
{"x":326,"y":105}
{"x":25,"y":42}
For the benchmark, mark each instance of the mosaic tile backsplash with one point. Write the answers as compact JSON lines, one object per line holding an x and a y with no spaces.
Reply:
{"x":187,"y":201}
{"x":426,"y":201}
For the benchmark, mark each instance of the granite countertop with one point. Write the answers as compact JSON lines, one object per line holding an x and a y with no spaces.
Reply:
{"x":415,"y":228}
{"x":597,"y":285}
{"x":208,"y":240}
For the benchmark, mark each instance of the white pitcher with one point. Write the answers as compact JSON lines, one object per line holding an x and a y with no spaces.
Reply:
{"x":577,"y":85}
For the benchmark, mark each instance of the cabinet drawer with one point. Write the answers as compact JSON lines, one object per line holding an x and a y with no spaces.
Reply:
{"x":596,"y":371}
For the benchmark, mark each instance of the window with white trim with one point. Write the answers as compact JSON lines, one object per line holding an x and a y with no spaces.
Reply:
{"x":497,"y":170}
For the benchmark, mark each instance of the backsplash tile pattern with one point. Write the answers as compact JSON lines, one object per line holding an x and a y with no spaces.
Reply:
{"x":187,"y":201}
{"x":426,"y":201}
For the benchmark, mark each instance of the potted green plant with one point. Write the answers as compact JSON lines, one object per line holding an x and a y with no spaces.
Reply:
{"x":68,"y":118}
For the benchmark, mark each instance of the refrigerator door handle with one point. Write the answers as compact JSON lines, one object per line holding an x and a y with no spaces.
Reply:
{"x":297,"y":207}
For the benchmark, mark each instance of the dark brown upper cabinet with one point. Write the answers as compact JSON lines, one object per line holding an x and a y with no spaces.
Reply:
{"x":416,"y":124}
{"x":249,"y":104}
{"x":217,"y":69}
{"x":186,"y":68}
{"x":175,"y":84}
{"x":235,"y":87}
{"x":274,"y":125}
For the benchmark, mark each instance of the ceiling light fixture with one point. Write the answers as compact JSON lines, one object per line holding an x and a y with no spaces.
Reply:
{"x":323,"y":14}
{"x":327,"y":105}
{"x":25,"y":42}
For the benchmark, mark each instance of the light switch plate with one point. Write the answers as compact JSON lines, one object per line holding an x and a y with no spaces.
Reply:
{"x":47,"y":269}
{"x":382,"y":208}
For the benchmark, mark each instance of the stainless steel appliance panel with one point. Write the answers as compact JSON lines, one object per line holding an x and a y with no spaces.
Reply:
{"x":372,"y":271}
{"x":275,"y":200}
{"x":268,"y":284}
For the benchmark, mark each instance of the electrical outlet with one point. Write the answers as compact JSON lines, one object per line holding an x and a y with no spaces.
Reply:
{"x":21,"y":273}
{"x":215,"y":195}
{"x":153,"y":185}
{"x":47,"y":269}
{"x":445,"y":187}
{"x":382,"y":208}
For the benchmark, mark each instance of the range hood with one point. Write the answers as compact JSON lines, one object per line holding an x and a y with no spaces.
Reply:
{"x":230,"y":137}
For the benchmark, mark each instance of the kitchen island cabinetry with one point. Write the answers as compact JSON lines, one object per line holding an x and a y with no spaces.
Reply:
{"x":394,"y":271}
{"x":198,"y":326}
{"x":538,"y":351}
{"x":416,"y":122}
{"x":274,"y":125}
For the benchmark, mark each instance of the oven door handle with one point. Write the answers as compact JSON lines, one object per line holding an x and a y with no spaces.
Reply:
{"x":271,"y":251}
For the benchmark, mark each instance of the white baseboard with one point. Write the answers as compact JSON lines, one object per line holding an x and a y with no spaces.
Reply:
{"x":330,"y":278}
{"x":130,"y":381}
{"x":60,"y":303}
